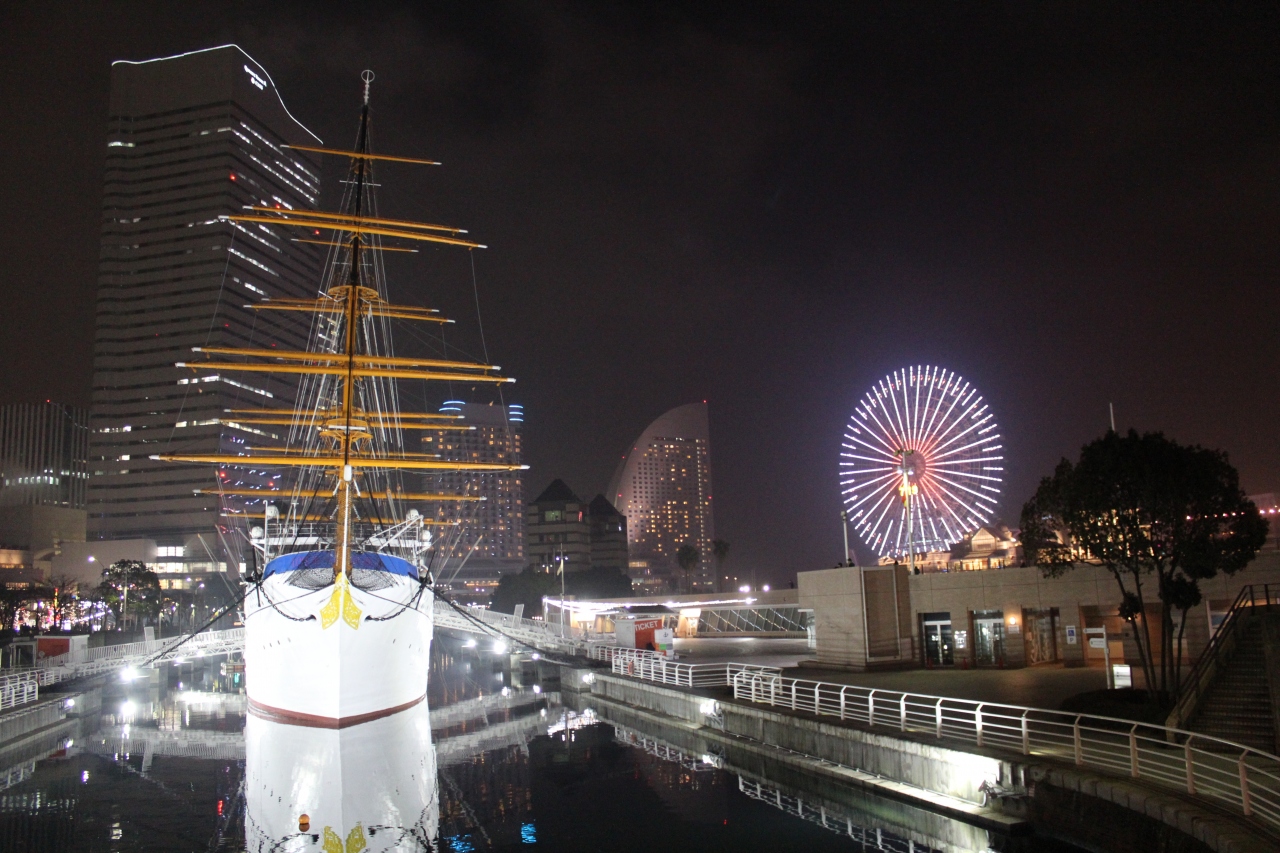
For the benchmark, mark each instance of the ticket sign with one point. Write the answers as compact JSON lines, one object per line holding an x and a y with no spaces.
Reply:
{"x":1097,"y":642}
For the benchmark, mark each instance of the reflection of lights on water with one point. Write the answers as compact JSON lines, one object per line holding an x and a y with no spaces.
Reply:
{"x":528,"y":834}
{"x":460,"y":844}
{"x":569,"y":721}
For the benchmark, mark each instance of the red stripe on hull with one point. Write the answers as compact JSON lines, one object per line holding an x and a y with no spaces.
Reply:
{"x":292,"y":718}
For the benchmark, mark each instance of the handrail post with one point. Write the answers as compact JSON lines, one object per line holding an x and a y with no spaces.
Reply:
{"x":937,"y":710}
{"x":1245,"y":804}
{"x":1133,"y":752}
{"x":842,"y":690}
{"x":871,"y":709}
{"x":1026,"y":735}
{"x":1189,"y":760}
{"x":902,"y":713}
{"x":977,"y":722}
{"x":793,"y":694}
{"x":817,"y":706}
{"x":1075,"y":737}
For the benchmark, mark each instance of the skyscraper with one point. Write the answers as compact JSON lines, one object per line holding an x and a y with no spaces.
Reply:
{"x":191,"y":139}
{"x":663,"y":487}
{"x":43,"y":448}
{"x":490,"y":530}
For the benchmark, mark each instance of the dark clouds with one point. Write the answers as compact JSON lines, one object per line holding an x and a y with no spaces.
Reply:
{"x":767,"y":207}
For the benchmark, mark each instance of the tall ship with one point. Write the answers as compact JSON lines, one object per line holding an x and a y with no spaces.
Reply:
{"x":338,"y":606}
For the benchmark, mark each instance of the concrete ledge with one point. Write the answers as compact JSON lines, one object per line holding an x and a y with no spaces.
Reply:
{"x":926,"y":764}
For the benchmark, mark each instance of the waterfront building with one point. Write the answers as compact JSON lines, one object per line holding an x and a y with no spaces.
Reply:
{"x":882,"y":617}
{"x":191,"y":139}
{"x":562,"y":527}
{"x":558,"y":530}
{"x":992,"y":546}
{"x":663,"y":487}
{"x":489,"y":533}
{"x":608,"y":535}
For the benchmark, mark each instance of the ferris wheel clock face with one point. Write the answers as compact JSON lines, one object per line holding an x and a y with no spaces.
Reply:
{"x":922,"y":438}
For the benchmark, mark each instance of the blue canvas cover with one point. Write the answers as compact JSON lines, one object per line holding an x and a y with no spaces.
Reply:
{"x":327,"y":559}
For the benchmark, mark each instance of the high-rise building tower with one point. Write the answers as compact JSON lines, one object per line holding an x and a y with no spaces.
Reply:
{"x":491,"y":531}
{"x":191,"y":139}
{"x":663,"y":487}
{"x":43,"y":448}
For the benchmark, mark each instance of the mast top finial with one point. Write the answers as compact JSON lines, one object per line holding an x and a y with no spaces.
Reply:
{"x":367,"y":77}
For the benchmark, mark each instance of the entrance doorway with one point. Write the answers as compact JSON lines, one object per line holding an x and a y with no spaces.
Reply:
{"x":988,"y":638}
{"x":939,"y":645}
{"x":1040,"y":632}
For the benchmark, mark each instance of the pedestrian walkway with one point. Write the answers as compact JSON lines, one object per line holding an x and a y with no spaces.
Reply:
{"x":1032,"y":687}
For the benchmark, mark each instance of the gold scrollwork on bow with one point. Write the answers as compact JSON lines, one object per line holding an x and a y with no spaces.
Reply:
{"x":342,"y":603}
{"x":333,"y":841}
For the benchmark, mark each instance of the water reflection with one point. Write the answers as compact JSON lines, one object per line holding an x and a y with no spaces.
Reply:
{"x":368,"y":787}
{"x":496,"y":759}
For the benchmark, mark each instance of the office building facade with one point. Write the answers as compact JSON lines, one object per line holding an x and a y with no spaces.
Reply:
{"x":43,"y":452}
{"x":558,"y":528}
{"x":663,"y":487}
{"x":191,"y":139}
{"x":562,"y":528}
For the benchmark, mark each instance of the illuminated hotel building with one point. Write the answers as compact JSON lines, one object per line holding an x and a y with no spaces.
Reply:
{"x":492,"y":530}
{"x":663,"y":487}
{"x":191,"y":138}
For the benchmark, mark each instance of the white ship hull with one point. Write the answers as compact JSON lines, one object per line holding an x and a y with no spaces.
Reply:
{"x":370,"y":788}
{"x":339,"y":655}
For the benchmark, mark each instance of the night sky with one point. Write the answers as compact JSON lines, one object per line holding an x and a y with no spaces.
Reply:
{"x":767,"y":207}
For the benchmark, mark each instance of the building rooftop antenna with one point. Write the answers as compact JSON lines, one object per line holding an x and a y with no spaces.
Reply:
{"x":367,"y":77}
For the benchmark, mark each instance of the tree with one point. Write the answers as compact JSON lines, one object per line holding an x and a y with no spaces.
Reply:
{"x":687,"y":557}
{"x":719,"y":550}
{"x":129,"y":587}
{"x":1154,"y":513}
{"x":598,"y":582}
{"x":527,"y":588}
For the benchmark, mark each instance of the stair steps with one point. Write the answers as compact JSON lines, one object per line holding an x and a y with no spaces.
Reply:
{"x":1237,"y":706}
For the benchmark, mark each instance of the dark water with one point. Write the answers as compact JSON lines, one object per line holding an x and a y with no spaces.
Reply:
{"x":499,"y":764}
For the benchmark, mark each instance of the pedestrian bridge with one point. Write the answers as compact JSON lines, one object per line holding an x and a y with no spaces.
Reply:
{"x":506,"y":632}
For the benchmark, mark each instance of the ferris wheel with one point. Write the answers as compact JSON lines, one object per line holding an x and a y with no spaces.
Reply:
{"x":921,"y":464}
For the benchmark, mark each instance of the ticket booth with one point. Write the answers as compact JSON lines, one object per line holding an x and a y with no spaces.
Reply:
{"x":638,"y":628}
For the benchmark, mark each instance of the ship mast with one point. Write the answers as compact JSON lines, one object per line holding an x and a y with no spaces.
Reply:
{"x":345,"y":423}
{"x":347,"y":484}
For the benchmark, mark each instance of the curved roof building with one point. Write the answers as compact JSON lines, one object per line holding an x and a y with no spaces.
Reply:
{"x":663,"y":487}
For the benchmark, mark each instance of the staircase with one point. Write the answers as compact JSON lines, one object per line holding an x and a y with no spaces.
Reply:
{"x":1237,"y":704}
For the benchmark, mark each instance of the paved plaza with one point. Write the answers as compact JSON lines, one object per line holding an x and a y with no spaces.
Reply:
{"x":1037,"y":687}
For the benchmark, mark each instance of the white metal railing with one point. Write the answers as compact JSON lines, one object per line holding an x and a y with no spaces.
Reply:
{"x":1243,"y":778}
{"x":609,"y":653}
{"x":663,"y":671}
{"x":18,"y":689}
